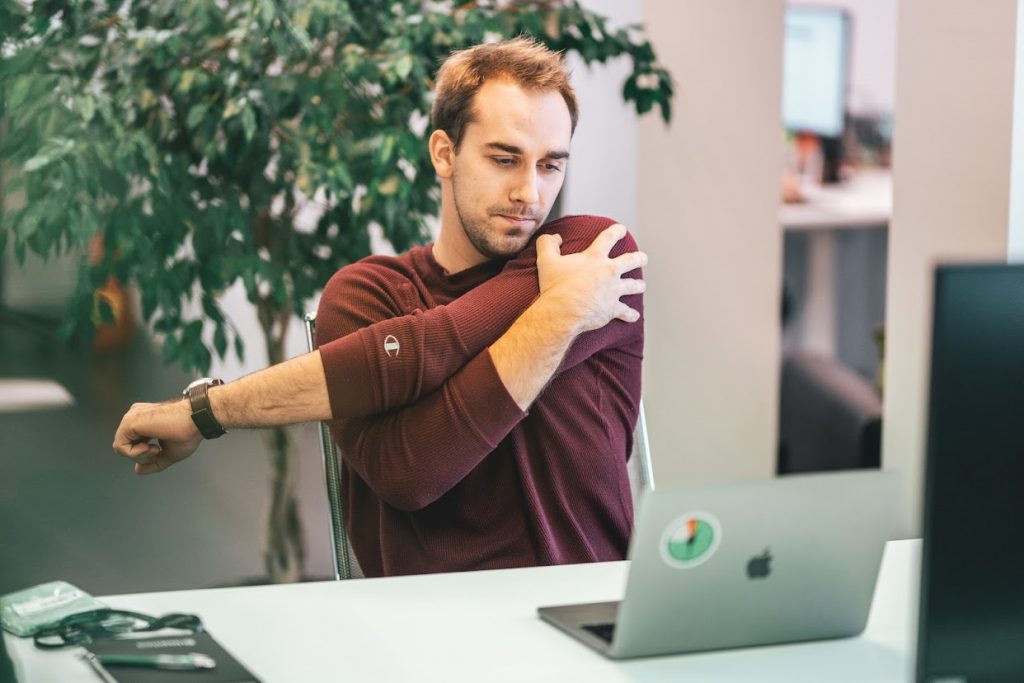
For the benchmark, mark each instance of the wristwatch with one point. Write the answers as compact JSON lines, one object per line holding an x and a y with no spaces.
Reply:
{"x":202,"y":414}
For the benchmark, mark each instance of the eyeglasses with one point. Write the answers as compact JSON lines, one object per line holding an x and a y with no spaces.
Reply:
{"x":85,"y":627}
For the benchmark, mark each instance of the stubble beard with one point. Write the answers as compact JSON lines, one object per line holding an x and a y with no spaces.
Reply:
{"x":483,"y":237}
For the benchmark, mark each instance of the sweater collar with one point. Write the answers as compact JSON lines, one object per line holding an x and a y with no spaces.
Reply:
{"x":455,"y":283}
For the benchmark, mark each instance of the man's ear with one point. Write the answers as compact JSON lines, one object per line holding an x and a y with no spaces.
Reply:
{"x":442,"y":153}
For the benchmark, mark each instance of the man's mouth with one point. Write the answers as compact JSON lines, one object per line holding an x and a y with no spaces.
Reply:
{"x":517,"y":220}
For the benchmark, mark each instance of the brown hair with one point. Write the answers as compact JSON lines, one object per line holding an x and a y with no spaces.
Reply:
{"x":521,"y":60}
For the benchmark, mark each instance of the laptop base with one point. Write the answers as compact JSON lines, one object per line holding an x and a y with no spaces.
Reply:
{"x":573,"y":619}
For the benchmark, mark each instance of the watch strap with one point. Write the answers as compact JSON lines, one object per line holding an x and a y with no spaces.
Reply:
{"x":202,"y":413}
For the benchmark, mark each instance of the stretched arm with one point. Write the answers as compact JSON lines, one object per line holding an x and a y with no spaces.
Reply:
{"x":158,"y":435}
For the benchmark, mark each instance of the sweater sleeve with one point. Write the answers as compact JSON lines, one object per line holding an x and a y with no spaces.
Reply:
{"x":377,"y":359}
{"x":412,"y":456}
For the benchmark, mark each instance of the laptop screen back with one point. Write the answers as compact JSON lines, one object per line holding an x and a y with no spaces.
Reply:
{"x":972,"y":584}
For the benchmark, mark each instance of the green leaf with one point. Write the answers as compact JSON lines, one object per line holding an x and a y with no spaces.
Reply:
{"x":86,"y":107}
{"x":187,"y":76}
{"x":19,"y":92}
{"x":105,"y":311}
{"x":172,"y":349}
{"x":404,"y":66}
{"x":202,"y":358}
{"x":344,"y":177}
{"x":220,"y":341}
{"x":249,"y":123}
{"x":387,"y":149}
{"x":54,"y":149}
{"x":196,"y":114}
{"x":389,"y":185}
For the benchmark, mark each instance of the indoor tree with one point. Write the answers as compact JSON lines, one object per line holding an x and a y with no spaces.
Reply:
{"x":261,"y":141}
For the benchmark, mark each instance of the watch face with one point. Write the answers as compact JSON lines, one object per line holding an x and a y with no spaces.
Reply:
{"x":193,"y":384}
{"x":199,"y":382}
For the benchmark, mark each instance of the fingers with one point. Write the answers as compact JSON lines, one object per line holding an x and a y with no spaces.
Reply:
{"x":604,"y":242}
{"x":146,"y":453}
{"x":628,"y":286}
{"x":627,"y":314}
{"x":548,"y":246}
{"x":623,"y":311}
{"x":157,"y":459}
{"x":135,"y":450}
{"x":143,"y":469}
{"x":127,"y":440}
{"x":630,"y":261}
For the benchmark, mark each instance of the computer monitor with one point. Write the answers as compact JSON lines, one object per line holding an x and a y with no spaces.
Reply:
{"x":971,"y":625}
{"x":814,"y":70}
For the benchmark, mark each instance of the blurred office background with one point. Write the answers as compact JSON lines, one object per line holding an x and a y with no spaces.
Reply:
{"x":928,"y":117}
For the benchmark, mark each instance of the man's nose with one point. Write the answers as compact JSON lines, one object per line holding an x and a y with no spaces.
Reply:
{"x":525,"y":190}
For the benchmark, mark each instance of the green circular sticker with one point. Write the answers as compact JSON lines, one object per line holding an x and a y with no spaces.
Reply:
{"x":690,"y":540}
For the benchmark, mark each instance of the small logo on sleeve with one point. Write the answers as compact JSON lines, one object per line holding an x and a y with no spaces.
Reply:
{"x":690,"y":540}
{"x":391,"y":346}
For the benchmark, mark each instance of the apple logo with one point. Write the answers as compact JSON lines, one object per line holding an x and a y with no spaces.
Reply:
{"x":759,"y":566}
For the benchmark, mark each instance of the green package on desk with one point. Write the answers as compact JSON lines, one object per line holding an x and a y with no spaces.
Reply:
{"x":26,"y":612}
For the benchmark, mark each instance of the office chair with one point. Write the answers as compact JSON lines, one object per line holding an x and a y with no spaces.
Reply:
{"x":341,"y":557}
{"x":642,"y":476}
{"x":830,"y":418}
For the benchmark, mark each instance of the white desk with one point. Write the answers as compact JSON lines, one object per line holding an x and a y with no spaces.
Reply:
{"x":483,"y":626}
{"x":864,"y":201}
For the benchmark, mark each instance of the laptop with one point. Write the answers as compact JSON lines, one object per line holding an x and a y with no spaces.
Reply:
{"x":754,"y":563}
{"x":971,"y":618}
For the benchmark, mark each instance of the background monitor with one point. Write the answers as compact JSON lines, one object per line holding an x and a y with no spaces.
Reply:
{"x":815,"y":60}
{"x":971,"y":625}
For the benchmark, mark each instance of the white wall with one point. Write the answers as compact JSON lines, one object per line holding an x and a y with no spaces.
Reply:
{"x":951,"y":191}
{"x":708,"y":202}
{"x":1015,"y":248}
{"x":602,"y":176}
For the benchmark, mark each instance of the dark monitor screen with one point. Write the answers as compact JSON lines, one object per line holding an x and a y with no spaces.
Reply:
{"x":814,"y":70}
{"x":971,"y":624}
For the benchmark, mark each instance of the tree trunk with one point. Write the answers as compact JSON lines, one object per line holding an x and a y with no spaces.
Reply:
{"x":285,"y":553}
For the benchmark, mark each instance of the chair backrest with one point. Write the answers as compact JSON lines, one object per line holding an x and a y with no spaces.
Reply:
{"x":340,"y":555}
{"x":641,"y":470}
{"x":830,"y":418}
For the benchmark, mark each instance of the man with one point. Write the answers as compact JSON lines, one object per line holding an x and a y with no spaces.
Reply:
{"x":483,"y":388}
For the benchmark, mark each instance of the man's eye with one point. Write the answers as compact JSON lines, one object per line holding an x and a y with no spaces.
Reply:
{"x":554,"y":168}
{"x":504,"y":161}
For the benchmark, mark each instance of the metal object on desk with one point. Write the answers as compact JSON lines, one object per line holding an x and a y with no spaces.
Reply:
{"x":192,"y":661}
{"x":104,"y":675}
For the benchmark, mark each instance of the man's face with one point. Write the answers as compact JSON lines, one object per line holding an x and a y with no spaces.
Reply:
{"x":510,"y":165}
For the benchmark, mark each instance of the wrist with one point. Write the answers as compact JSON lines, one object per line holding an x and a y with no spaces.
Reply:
{"x":202,"y":413}
{"x":184,"y":408}
{"x":562,"y":314}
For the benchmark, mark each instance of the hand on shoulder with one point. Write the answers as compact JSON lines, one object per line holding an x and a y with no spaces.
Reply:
{"x":587,"y":286}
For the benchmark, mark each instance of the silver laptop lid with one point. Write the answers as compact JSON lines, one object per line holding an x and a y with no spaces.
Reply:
{"x":755,"y":563}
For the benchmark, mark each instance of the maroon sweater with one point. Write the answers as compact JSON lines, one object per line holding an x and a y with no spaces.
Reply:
{"x":441,"y":470}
